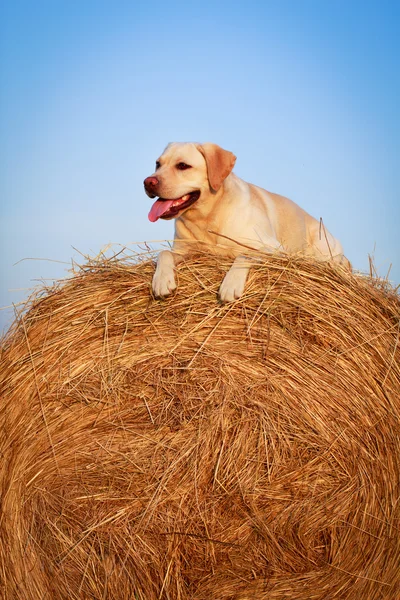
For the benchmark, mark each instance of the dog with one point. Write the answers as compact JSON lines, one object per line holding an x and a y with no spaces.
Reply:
{"x":211,"y":206}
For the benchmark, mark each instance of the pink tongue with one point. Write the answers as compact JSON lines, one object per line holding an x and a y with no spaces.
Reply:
{"x":159,"y":208}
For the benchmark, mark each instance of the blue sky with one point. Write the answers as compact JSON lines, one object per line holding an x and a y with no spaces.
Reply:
{"x":304,"y":92}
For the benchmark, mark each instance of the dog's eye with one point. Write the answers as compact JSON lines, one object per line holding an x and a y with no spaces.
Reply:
{"x":183,"y":166}
{"x":158,"y":165}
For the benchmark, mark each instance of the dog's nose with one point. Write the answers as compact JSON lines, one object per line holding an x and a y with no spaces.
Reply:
{"x":150,"y":183}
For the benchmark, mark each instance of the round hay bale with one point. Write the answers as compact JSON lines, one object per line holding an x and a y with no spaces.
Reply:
{"x":187,"y":450}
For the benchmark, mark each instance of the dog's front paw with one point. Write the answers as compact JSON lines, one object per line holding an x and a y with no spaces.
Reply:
{"x":233,"y":284}
{"x":163,"y":282}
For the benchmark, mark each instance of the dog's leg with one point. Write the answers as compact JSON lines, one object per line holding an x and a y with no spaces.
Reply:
{"x":164,"y":277}
{"x":234,"y":281}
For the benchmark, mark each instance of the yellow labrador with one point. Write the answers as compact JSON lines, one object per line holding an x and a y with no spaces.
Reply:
{"x":211,"y":205}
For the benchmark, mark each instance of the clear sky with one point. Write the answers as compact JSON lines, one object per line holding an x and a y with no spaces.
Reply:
{"x":304,"y":92}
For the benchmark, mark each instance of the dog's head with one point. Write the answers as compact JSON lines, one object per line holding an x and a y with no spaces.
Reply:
{"x":185,"y":173}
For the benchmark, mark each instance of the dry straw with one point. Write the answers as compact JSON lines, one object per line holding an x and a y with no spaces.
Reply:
{"x":181,"y":449}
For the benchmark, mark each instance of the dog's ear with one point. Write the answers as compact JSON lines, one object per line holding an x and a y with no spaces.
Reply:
{"x":219,"y":163}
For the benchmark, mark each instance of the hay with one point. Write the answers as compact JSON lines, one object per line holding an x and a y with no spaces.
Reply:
{"x":181,"y":449}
